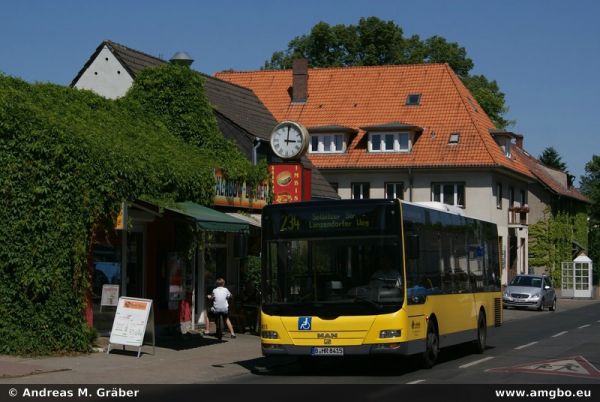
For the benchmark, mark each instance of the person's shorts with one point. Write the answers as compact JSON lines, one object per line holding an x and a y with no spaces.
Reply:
{"x":224,"y":313}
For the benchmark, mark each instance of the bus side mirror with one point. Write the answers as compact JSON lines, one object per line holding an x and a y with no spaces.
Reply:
{"x":412,"y":246}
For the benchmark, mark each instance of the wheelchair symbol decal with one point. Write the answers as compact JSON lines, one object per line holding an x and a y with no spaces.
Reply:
{"x":304,"y":323}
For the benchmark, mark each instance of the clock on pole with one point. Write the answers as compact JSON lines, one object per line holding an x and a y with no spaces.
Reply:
{"x":289,"y":140}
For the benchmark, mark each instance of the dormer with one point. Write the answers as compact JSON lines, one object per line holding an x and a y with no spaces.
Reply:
{"x":331,"y":139}
{"x":504,"y":139}
{"x":392,"y":137}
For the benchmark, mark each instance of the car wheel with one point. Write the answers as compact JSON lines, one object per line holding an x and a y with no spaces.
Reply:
{"x":541,"y":306}
{"x":553,"y":307}
{"x":481,"y":340}
{"x":432,"y":346}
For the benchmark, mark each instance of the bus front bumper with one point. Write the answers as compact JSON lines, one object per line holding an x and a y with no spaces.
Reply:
{"x":403,"y":348}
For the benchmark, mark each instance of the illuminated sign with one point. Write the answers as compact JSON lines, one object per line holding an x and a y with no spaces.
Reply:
{"x":297,"y":220}
{"x":287,"y":183}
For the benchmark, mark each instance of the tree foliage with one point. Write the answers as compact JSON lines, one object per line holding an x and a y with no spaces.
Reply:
{"x":376,"y":42}
{"x":552,"y":159}
{"x":69,"y":158}
{"x":590,"y":186}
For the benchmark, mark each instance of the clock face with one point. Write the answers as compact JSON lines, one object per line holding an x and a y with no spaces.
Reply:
{"x":289,"y":140}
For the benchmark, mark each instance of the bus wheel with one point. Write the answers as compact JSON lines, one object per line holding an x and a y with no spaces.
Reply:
{"x":432,"y":346}
{"x":481,"y":333}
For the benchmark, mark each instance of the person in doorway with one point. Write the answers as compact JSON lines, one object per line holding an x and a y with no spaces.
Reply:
{"x":220,"y":297}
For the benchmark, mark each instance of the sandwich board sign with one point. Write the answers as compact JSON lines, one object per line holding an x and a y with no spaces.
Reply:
{"x":130,"y":323}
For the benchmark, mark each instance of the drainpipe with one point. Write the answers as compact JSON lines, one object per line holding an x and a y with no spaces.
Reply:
{"x":255,"y":150}
{"x":410,"y":185}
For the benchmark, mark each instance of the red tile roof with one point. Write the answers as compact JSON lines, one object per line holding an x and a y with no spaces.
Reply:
{"x":541,"y":172}
{"x":357,"y":97}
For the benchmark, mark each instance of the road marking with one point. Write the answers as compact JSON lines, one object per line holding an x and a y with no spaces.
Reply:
{"x":485,"y":359}
{"x":559,"y":334}
{"x":573,"y":366}
{"x":583,"y":326}
{"x":526,"y":345}
{"x":415,"y":382}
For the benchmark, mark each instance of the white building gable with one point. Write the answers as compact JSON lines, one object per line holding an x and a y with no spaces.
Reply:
{"x":105,"y":76}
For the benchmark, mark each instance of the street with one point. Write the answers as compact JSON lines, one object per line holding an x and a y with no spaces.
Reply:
{"x":546,"y":347}
{"x":531,"y":347}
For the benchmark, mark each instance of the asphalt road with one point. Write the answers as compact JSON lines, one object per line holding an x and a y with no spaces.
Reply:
{"x":531,"y":347}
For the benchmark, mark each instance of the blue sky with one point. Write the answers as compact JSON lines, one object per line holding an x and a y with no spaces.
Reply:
{"x":544,"y":54}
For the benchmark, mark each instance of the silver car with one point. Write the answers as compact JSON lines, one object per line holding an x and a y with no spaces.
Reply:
{"x":530,"y":291}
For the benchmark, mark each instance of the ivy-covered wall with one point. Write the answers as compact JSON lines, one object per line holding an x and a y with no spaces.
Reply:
{"x":68,"y":159}
{"x":551,"y":238}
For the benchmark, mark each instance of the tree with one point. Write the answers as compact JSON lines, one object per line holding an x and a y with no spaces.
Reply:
{"x":590,"y":186}
{"x":551,"y":158}
{"x":376,"y":42}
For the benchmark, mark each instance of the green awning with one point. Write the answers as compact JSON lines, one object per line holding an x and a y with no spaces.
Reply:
{"x":210,"y":219}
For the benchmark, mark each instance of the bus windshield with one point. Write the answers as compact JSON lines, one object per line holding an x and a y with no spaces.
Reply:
{"x":331,"y":276}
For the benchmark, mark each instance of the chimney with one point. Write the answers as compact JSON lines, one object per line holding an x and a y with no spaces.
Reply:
{"x":519,"y":141}
{"x":182,"y":59}
{"x":300,"y":80}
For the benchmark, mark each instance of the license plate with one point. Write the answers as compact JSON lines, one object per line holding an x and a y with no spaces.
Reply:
{"x":326,"y":351}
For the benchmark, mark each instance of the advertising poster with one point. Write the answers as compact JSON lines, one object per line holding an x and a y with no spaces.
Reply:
{"x":110,"y":295}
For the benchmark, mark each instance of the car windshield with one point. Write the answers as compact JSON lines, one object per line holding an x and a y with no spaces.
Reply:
{"x":529,"y":281}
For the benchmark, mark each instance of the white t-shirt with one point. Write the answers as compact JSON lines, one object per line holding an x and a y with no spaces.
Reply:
{"x":220,"y":296}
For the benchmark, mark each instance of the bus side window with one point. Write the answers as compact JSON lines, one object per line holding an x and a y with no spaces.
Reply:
{"x":412,"y":246}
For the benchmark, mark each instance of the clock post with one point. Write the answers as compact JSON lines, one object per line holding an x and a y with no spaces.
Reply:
{"x":291,"y":180}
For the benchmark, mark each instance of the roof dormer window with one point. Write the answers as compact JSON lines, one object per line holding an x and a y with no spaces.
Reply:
{"x":504,"y":140}
{"x":327,"y":143}
{"x":454,"y":138}
{"x":390,"y":142}
{"x":413,"y":99}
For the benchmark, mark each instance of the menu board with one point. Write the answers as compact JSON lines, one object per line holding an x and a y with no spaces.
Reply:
{"x":130,"y":321}
{"x":110,"y":295}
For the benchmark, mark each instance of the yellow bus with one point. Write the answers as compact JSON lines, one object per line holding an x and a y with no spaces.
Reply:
{"x":366,"y":277}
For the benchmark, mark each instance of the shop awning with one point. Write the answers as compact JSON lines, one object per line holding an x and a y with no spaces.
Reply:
{"x":253,"y":220}
{"x":210,"y":219}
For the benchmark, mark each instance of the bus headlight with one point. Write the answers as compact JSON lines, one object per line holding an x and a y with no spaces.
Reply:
{"x":269,"y":335}
{"x":390,"y":333}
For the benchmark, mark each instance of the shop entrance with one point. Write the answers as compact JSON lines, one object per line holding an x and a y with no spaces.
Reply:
{"x":107,"y":270}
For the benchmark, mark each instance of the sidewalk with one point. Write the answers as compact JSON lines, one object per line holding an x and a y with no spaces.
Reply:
{"x":178,"y":360}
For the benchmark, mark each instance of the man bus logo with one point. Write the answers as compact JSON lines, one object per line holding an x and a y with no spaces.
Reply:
{"x":304,"y":323}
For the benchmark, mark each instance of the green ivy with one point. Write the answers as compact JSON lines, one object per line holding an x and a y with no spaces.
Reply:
{"x":69,"y":158}
{"x":550,"y":239}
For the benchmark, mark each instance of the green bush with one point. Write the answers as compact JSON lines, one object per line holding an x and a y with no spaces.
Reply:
{"x":69,"y":158}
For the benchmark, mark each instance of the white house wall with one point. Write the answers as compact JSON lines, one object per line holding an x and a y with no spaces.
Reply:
{"x":105,"y":76}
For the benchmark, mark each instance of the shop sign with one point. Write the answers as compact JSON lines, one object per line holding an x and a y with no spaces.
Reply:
{"x":234,"y":193}
{"x":287,"y":182}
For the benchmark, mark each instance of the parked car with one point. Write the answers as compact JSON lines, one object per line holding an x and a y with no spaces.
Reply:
{"x":530,"y":291}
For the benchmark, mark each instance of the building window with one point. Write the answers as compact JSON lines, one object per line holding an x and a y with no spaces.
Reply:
{"x":327,"y":143}
{"x":499,"y":195}
{"x":360,"y":191}
{"x":511,"y":197}
{"x":413,"y":99}
{"x":523,"y":197}
{"x":454,"y":138}
{"x":449,"y":193}
{"x":394,"y":190}
{"x":390,"y":142}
